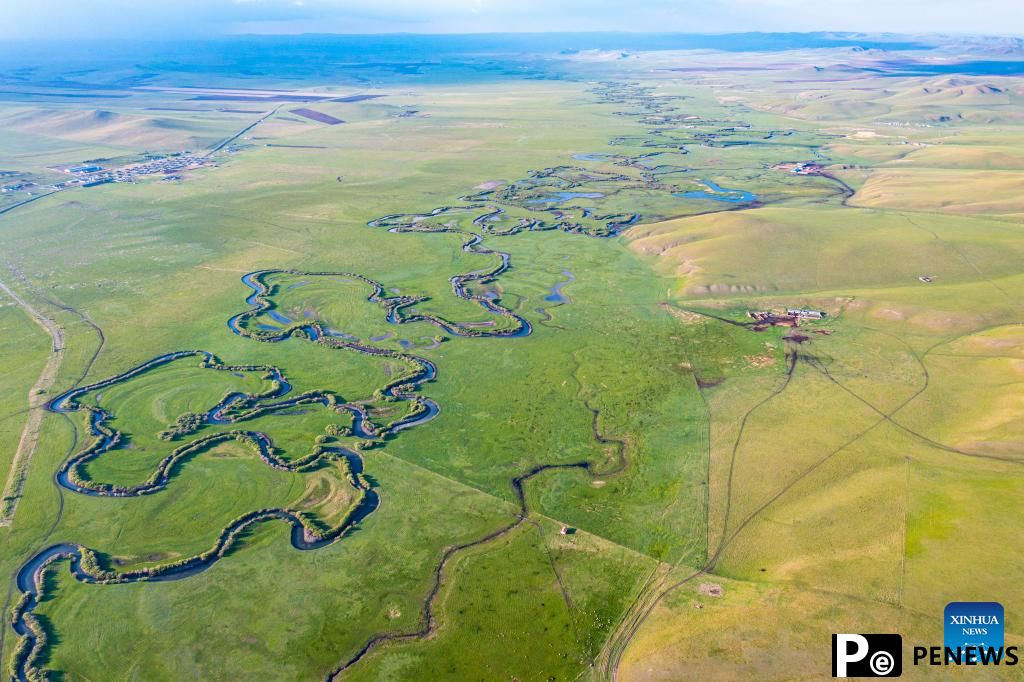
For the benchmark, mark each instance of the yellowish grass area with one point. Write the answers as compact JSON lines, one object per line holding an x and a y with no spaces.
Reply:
{"x":872,"y":541}
{"x":903,"y":102}
{"x":759,"y":631}
{"x":328,"y":494}
{"x":952,"y":191}
{"x":975,"y":399}
{"x":952,"y":155}
{"x":955,"y":91}
{"x":807,"y":250}
{"x":97,"y":126}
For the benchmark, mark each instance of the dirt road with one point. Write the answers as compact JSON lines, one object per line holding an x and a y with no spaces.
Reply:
{"x":37,"y":397}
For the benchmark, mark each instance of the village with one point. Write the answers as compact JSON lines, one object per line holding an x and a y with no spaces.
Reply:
{"x":91,"y":174}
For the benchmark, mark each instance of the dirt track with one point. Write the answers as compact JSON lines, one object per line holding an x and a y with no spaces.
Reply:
{"x":36,"y":402}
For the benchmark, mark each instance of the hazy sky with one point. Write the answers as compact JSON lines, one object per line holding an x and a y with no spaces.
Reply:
{"x":192,"y":18}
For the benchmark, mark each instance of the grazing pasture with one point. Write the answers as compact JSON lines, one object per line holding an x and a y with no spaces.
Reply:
{"x":590,"y":367}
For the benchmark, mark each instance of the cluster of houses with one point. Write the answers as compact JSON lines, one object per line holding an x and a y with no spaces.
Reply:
{"x":91,"y":174}
{"x":171,"y":164}
{"x":168,"y":165}
{"x":800,"y":167}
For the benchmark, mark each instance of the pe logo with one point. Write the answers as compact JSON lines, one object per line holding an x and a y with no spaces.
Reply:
{"x":973,"y":626}
{"x":867,"y":655}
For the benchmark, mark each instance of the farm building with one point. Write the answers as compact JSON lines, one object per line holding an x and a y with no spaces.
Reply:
{"x":806,"y":313}
{"x":83,"y":169}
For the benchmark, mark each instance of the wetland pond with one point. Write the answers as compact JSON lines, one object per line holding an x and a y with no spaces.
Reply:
{"x":556,"y":295}
{"x":278,"y":317}
{"x":559,"y":197}
{"x":593,"y":157}
{"x":716,"y":193}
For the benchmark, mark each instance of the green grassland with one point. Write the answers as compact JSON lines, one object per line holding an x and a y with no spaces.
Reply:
{"x":25,"y":347}
{"x":173,"y":255}
{"x":847,"y":471}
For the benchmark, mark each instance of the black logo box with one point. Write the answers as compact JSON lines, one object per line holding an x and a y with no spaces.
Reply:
{"x":884,"y":656}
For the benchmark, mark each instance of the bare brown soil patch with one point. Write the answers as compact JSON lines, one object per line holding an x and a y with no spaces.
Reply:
{"x":710,"y":589}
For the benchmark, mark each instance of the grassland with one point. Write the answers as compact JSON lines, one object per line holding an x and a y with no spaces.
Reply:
{"x":843,"y":490}
{"x":27,"y":347}
{"x":829,"y":473}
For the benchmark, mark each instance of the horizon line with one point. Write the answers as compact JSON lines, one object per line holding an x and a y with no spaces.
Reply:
{"x":310,"y":34}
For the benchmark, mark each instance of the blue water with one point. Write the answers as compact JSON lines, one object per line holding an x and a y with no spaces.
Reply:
{"x":269,"y":327}
{"x":278,"y":317}
{"x":716,"y":193}
{"x":427,"y":343}
{"x":556,"y":295}
{"x":298,"y":284}
{"x":593,"y":157}
{"x":383,"y":337}
{"x":660,"y":160}
{"x":249,"y":281}
{"x":559,"y":197}
{"x":668,"y":169}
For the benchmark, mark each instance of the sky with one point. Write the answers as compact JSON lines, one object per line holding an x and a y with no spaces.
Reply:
{"x":154,"y":19}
